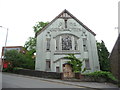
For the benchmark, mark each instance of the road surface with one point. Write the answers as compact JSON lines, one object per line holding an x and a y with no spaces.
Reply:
{"x":20,"y":81}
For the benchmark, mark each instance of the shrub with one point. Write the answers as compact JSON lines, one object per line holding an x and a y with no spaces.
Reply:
{"x":9,"y":69}
{"x":15,"y":69}
{"x":75,"y":62}
{"x":19,"y":59}
{"x":118,"y":84}
{"x":102,"y":74}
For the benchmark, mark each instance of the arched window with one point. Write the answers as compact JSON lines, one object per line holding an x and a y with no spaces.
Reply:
{"x":66,"y":42}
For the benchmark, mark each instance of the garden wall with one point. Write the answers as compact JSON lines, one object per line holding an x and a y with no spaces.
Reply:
{"x":54,"y":75}
{"x":41,"y":74}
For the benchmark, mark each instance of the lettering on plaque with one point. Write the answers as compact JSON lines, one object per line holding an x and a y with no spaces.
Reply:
{"x":65,"y":29}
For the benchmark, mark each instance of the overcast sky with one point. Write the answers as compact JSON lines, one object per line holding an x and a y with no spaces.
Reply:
{"x":19,"y":16}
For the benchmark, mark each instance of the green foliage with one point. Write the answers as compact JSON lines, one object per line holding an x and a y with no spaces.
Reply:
{"x":14,"y":57}
{"x":25,"y":60}
{"x":102,"y":74}
{"x":30,"y":45}
{"x":83,"y":70}
{"x":75,"y":62}
{"x":9,"y":69}
{"x":19,"y":60}
{"x":103,"y":56}
{"x":15,"y":70}
{"x":39,"y":26}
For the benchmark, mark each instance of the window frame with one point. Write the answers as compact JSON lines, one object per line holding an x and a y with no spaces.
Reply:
{"x":48,"y":65}
{"x":48,"y":40}
{"x":74,"y":42}
{"x":85,"y":47}
{"x":87,"y":64}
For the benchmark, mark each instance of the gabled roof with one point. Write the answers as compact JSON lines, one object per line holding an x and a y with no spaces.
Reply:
{"x":66,"y":14}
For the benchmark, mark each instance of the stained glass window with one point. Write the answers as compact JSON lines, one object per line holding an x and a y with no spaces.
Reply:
{"x":66,"y":43}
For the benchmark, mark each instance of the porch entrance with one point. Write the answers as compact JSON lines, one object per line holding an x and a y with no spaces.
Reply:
{"x":67,"y":71}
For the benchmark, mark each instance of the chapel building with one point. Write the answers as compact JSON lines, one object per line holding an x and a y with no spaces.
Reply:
{"x":62,"y":36}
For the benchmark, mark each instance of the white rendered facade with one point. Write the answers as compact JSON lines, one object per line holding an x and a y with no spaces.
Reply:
{"x":62,"y":36}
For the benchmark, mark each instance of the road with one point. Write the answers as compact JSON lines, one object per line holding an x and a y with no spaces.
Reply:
{"x":20,"y":81}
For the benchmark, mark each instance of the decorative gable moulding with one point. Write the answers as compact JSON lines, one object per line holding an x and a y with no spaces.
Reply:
{"x":67,"y":15}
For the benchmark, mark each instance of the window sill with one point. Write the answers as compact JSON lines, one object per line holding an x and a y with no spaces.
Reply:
{"x":67,"y":52}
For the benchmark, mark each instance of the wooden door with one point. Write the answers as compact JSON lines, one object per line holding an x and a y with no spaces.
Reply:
{"x":67,"y":71}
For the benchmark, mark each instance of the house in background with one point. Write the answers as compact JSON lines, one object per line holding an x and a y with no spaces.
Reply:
{"x":115,"y":54}
{"x":62,"y":36}
{"x":18,"y":48}
{"x":115,"y":59}
{"x":7,"y":48}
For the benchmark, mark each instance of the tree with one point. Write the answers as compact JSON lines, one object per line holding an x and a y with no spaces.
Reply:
{"x":39,"y":26}
{"x":103,"y":56}
{"x":31,"y":43}
{"x":75,"y":62}
{"x":14,"y":58}
{"x":18,"y":59}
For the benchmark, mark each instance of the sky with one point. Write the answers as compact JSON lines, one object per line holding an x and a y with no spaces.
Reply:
{"x":19,"y":16}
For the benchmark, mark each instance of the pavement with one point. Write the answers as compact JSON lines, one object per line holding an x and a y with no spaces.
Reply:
{"x":0,"y":80}
{"x":92,"y":85}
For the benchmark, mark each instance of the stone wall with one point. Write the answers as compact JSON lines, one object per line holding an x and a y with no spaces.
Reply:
{"x":53,"y":75}
{"x":41,"y":74}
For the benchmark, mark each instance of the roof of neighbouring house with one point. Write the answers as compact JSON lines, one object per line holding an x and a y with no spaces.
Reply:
{"x":116,"y":48}
{"x":11,"y":47}
{"x":68,"y":13}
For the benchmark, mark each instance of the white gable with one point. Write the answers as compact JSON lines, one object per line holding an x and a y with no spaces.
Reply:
{"x":64,"y":35}
{"x":64,"y":21}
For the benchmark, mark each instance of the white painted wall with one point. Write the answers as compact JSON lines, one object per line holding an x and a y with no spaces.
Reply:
{"x":42,"y":55}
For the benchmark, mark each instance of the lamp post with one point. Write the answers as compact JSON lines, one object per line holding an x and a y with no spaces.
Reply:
{"x":4,"y":48}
